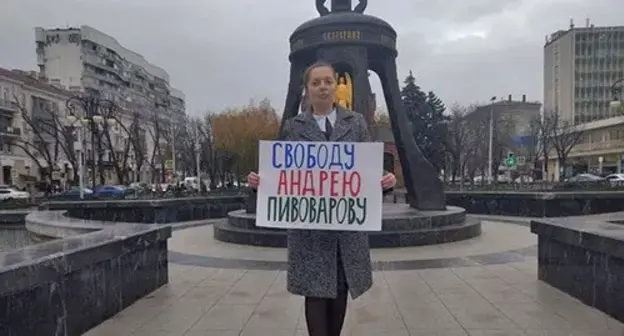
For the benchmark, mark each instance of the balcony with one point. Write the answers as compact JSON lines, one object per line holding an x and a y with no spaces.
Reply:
{"x":100,"y":63}
{"x":8,"y":106}
{"x":10,"y":131}
{"x":100,"y":76}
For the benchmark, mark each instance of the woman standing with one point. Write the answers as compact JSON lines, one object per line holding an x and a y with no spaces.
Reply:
{"x":324,"y":266}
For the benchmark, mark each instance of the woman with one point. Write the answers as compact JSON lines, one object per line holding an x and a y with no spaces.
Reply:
{"x":324,"y":266}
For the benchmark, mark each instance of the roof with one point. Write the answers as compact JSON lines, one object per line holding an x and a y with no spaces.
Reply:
{"x":503,"y":105}
{"x":28,"y":80}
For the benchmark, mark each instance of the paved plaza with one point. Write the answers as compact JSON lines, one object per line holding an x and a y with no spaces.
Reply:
{"x":485,"y":286}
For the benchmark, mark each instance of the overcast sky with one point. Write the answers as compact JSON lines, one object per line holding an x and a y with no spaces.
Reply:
{"x":222,"y":53}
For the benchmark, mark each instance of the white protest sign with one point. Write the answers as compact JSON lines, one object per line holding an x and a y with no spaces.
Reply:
{"x":320,"y":185}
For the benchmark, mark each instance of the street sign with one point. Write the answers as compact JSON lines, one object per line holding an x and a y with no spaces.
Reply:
{"x":521,"y":160}
{"x":169,"y":164}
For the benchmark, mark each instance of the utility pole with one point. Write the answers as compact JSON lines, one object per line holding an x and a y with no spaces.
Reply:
{"x":173,"y":150}
{"x":490,"y":144}
{"x":197,"y":163}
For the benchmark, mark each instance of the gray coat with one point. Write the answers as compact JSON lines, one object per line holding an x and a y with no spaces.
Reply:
{"x":312,"y":262}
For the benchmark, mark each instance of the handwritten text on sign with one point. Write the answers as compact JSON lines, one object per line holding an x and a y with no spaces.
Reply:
{"x":320,"y":185}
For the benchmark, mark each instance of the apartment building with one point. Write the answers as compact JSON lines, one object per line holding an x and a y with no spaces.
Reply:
{"x":581,"y":65}
{"x":85,"y":59}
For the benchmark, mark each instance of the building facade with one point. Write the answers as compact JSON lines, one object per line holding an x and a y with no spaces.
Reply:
{"x":580,"y":66}
{"x":599,"y":151}
{"x":26,"y":104}
{"x":39,"y":142}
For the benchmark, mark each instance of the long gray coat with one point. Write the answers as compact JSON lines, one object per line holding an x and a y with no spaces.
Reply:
{"x":312,"y":262}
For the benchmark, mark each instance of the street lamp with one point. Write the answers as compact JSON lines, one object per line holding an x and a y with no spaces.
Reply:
{"x":616,"y":91}
{"x":173,"y":150}
{"x":491,"y":140}
{"x":78,"y":124}
{"x":197,"y":163}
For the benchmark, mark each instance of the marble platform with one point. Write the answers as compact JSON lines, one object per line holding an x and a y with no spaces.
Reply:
{"x":536,"y":203}
{"x":401,"y":226}
{"x":149,"y":211}
{"x":14,"y":217}
{"x":584,"y":257}
{"x":67,"y":286}
{"x":55,"y":224}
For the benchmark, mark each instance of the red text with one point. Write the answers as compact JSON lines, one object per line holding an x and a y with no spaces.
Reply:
{"x":320,"y":183}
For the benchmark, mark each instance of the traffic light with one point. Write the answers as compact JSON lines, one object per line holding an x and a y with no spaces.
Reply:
{"x":510,"y":162}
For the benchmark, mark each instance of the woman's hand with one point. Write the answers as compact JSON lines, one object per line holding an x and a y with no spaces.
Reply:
{"x":388,"y":181}
{"x":253,"y":179}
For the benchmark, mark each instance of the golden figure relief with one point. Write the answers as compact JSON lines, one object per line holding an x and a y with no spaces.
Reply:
{"x":344,"y":91}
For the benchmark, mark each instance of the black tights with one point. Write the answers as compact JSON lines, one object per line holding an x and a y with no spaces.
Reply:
{"x":325,"y":317}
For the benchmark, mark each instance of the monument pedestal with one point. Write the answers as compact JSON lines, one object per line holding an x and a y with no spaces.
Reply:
{"x":401,"y":226}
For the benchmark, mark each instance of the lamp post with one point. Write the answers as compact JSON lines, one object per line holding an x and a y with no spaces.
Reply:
{"x":491,"y":140}
{"x":91,"y":109}
{"x":198,"y":165}
{"x":616,"y":91}
{"x":173,"y":150}
{"x":78,"y":125}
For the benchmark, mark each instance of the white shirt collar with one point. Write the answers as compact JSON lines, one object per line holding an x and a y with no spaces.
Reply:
{"x":331,"y":116}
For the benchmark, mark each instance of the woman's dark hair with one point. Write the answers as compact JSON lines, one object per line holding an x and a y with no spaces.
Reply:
{"x":306,"y":73}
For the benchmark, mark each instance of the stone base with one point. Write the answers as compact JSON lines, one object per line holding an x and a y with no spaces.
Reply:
{"x":13,"y":218}
{"x":67,"y":286}
{"x":584,"y":258}
{"x":401,"y":226}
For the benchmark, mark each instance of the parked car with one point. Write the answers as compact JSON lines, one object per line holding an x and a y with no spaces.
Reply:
{"x":111,"y":192}
{"x":9,"y":193}
{"x":615,"y":179}
{"x":71,"y":194}
{"x":586,"y":177}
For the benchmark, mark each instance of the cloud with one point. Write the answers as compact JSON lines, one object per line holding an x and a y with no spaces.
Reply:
{"x":223,"y":53}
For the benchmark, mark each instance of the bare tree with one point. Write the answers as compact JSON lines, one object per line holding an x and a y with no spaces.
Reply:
{"x":562,"y":135}
{"x":210,"y":156}
{"x":157,"y":133}
{"x":475,"y":144}
{"x":139,"y":142}
{"x":90,"y":107}
{"x":457,"y":141}
{"x":117,"y":133}
{"x":51,"y":138}
{"x":188,"y":139}
{"x":475,"y":149}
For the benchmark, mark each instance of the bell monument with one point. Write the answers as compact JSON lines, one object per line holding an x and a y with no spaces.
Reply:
{"x":356,"y":43}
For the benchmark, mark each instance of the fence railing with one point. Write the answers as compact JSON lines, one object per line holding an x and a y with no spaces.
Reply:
{"x":540,"y":186}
